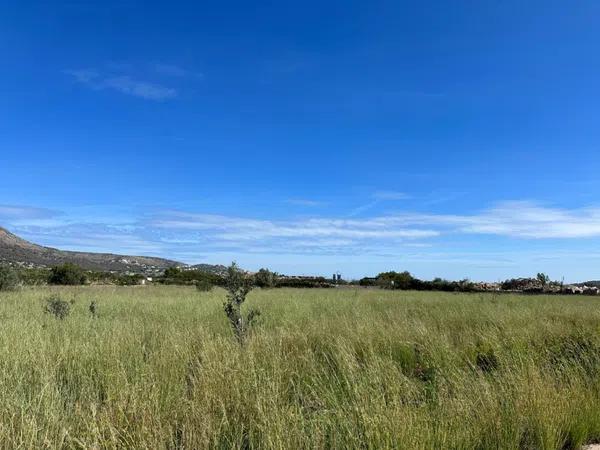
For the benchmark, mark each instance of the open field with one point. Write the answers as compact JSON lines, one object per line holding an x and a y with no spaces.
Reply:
{"x":324,"y":368}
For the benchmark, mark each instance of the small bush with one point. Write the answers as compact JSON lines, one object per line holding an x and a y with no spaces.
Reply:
{"x":9,"y":279}
{"x":58,"y":307}
{"x":204,"y":285}
{"x":67,"y":275}
{"x":93,"y":308}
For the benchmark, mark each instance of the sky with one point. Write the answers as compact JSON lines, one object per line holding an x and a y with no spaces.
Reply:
{"x":452,"y":139}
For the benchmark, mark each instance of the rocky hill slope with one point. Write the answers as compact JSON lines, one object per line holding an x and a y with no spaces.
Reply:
{"x":17,"y":251}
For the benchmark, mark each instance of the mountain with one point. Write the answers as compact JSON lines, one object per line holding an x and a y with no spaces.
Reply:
{"x":592,"y":283}
{"x":14,"y":250}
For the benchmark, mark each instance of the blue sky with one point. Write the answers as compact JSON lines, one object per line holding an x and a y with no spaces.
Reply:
{"x":454,"y":139}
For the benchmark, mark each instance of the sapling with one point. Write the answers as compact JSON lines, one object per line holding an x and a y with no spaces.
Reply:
{"x":238,"y":285}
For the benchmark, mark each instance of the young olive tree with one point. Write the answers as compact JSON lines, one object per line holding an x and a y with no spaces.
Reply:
{"x":238,"y":285}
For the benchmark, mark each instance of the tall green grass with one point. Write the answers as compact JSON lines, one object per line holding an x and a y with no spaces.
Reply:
{"x":159,"y":368}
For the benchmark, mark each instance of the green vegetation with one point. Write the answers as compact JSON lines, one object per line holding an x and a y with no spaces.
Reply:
{"x":114,"y":278}
{"x":303,"y":282}
{"x":9,"y":279}
{"x":343,"y":368}
{"x":405,"y":281}
{"x":73,"y":275}
{"x":67,"y":275}
{"x":174,"y":275}
{"x":542,"y":279}
{"x":34,"y":277}
{"x":238,"y":285}
{"x":57,"y":307}
{"x":204,"y":285}
{"x":265,"y":279}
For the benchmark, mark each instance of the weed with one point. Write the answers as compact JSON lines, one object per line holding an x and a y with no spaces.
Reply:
{"x":57,"y":307}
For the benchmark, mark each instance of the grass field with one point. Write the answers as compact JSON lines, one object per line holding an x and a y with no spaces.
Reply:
{"x":323,"y":369}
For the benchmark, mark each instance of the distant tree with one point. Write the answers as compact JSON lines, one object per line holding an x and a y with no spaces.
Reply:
{"x":367,"y":281}
{"x":264,"y":278}
{"x":395,"y":280}
{"x":9,"y":278}
{"x":543,"y":279}
{"x":68,"y":275}
{"x":172,"y":272}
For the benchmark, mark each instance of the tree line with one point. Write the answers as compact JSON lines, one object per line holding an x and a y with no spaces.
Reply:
{"x":71,"y":274}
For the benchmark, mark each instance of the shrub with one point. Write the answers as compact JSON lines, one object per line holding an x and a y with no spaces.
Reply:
{"x":129,"y":280}
{"x":303,"y":282}
{"x":264,"y":278}
{"x":58,"y":307}
{"x":204,"y":285}
{"x":34,"y":277}
{"x":238,"y":285}
{"x":174,"y":275}
{"x":9,"y":279}
{"x":367,"y":281}
{"x":68,"y":275}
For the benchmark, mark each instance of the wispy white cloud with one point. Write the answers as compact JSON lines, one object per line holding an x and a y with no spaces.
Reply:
{"x":528,"y":220}
{"x":90,"y":236}
{"x":520,"y":219}
{"x":391,"y":195}
{"x":363,"y":208}
{"x":242,"y":229}
{"x":305,"y":202}
{"x":150,"y":91}
{"x":11,"y":213}
{"x":124,"y":84}
{"x":517,"y":219}
{"x":377,"y":198}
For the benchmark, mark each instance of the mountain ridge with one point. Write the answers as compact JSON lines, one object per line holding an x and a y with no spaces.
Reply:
{"x":18,"y":251}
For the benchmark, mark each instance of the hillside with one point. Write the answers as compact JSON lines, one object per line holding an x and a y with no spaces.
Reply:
{"x":216,"y":269}
{"x":15,"y":250}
